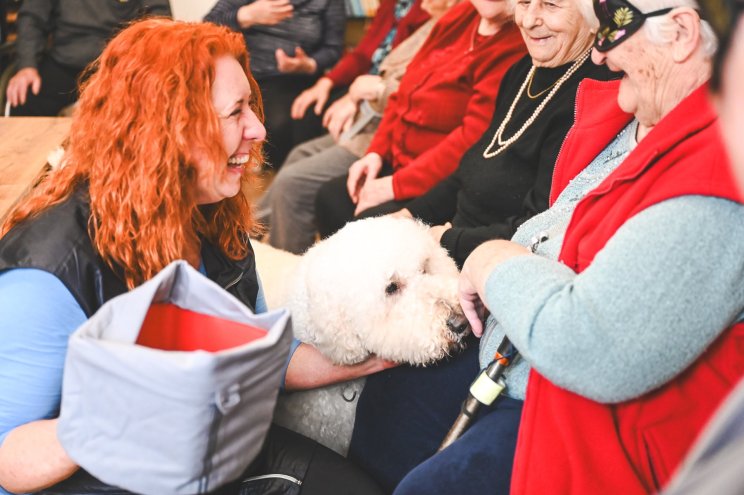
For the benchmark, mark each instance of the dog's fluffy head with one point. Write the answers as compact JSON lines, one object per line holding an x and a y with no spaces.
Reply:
{"x":379,"y":286}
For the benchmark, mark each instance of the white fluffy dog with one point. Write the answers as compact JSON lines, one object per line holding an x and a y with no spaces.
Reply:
{"x":379,"y":286}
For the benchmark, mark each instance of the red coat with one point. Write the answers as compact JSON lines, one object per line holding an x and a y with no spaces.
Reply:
{"x":571,"y":445}
{"x":445,"y":100}
{"x":358,"y":61}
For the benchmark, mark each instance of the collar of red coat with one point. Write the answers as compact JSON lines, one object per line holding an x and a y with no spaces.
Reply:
{"x":599,"y":119}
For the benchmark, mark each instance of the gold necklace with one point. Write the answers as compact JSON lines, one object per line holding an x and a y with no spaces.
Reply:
{"x":531,"y":78}
{"x":498,"y":137}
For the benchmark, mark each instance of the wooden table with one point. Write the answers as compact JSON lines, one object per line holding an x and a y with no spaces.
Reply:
{"x":25,"y":143}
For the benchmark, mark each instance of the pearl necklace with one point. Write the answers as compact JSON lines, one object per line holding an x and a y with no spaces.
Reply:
{"x":503,"y":144}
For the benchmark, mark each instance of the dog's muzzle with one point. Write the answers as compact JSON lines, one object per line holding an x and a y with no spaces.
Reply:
{"x":458,"y":325}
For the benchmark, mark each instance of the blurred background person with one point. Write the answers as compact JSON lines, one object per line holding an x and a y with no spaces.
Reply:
{"x":394,"y":21}
{"x":56,"y":40}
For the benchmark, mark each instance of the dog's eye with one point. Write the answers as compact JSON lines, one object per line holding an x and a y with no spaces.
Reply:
{"x":392,"y":288}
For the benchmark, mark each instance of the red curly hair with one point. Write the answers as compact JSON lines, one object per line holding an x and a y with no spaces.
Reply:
{"x":143,"y":111}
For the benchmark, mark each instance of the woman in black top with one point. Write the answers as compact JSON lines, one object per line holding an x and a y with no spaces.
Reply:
{"x":488,"y":198}
{"x":503,"y":180}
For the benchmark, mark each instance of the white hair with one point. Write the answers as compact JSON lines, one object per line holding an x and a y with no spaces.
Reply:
{"x":586,"y":7}
{"x":660,"y":29}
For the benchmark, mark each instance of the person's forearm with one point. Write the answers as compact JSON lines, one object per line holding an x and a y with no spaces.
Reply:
{"x":308,"y":368}
{"x":158,"y":7}
{"x":31,"y":458}
{"x":33,"y":17}
{"x":641,"y":313}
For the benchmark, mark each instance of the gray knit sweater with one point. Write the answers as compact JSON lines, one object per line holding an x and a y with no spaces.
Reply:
{"x":317,"y":26}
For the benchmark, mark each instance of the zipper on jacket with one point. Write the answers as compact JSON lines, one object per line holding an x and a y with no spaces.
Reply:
{"x":237,"y":279}
{"x":560,"y":150}
{"x":285,"y":477}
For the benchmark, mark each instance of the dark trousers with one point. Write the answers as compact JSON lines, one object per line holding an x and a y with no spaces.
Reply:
{"x":404,"y":414}
{"x":283,"y":132}
{"x":320,"y":470}
{"x":334,"y":208}
{"x":58,"y":90}
{"x":478,"y":462}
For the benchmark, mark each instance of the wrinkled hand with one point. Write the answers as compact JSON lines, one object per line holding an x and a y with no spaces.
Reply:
{"x":436,"y":231}
{"x":364,"y":169}
{"x":475,"y":272}
{"x":264,"y":13}
{"x":374,"y":192}
{"x":339,"y":116}
{"x":365,"y":87}
{"x":317,"y":94}
{"x":301,"y":63}
{"x":19,"y":84}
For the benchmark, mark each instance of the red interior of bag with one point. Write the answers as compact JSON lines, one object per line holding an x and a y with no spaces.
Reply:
{"x":171,"y":328}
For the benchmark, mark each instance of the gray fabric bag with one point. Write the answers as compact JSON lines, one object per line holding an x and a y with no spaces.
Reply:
{"x":165,"y":422}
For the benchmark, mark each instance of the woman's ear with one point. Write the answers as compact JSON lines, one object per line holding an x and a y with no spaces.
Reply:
{"x":687,"y":37}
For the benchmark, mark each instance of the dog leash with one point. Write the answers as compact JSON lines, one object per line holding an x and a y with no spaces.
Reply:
{"x":483,"y":391}
{"x":490,"y":382}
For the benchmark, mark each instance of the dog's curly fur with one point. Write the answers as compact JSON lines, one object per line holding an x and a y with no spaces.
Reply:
{"x":379,"y":286}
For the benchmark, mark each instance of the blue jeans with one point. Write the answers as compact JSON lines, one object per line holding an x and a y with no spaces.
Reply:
{"x":478,"y":462}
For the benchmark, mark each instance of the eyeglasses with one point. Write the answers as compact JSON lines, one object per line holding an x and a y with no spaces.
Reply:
{"x":722,"y":15}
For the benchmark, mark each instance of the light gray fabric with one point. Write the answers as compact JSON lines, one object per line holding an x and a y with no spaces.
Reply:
{"x":714,"y":464}
{"x":664,"y":287}
{"x":548,"y":229}
{"x":169,"y":422}
{"x":289,"y":204}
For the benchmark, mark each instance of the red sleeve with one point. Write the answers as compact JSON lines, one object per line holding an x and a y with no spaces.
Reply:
{"x":383,"y":137}
{"x":359,"y":60}
{"x":442,"y":159}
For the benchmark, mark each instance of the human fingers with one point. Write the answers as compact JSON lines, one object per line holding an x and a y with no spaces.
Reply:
{"x":321,"y":101}
{"x":299,"y":106}
{"x":471,"y":304}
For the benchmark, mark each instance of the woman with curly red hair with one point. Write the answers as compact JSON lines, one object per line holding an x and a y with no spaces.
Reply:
{"x":167,"y":125}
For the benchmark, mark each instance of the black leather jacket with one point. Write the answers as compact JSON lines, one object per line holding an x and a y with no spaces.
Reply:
{"x":57,"y":241}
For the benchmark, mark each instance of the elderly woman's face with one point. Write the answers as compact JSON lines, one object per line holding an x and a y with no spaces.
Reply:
{"x":241,"y":129}
{"x":491,"y":10}
{"x":732,"y":101}
{"x":554,"y":31}
{"x":643,"y":88}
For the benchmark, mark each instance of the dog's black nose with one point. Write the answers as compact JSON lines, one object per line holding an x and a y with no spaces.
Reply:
{"x":458,"y":324}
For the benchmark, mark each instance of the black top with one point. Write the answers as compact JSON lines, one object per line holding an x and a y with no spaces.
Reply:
{"x":489,"y":198}
{"x":57,"y":241}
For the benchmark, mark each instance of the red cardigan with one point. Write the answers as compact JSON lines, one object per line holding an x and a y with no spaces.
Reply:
{"x":358,"y":61}
{"x":569,"y":444}
{"x":445,"y":100}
